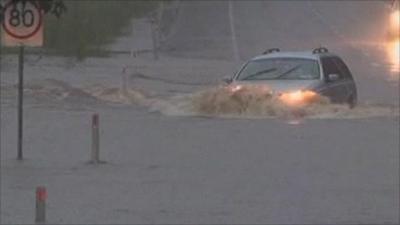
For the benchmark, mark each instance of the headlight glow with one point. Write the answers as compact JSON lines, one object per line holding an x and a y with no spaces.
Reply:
{"x":395,"y":20}
{"x":298,"y":98}
{"x":393,"y":48}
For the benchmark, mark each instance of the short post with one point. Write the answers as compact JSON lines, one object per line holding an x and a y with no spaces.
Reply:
{"x":95,"y":158}
{"x":124,"y":81}
{"x":41,"y":195}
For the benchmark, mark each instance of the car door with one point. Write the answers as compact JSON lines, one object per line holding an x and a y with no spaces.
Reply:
{"x":334,"y":89}
{"x":348,"y":80}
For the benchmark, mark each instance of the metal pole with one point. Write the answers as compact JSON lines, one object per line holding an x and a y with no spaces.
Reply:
{"x":235,"y":47}
{"x":160,"y":13}
{"x":154,"y":36}
{"x":20,"y":100}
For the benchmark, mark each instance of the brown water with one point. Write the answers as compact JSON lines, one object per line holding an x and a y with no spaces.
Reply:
{"x":252,"y":102}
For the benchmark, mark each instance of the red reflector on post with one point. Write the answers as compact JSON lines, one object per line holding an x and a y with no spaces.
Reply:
{"x":41,"y":194}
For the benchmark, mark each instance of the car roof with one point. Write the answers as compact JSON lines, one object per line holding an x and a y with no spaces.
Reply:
{"x":294,"y":54}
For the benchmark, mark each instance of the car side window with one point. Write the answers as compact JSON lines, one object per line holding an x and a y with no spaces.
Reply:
{"x":329,"y":67}
{"x":344,"y":70}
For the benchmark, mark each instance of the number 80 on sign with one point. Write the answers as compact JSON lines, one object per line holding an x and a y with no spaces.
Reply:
{"x":22,"y":24}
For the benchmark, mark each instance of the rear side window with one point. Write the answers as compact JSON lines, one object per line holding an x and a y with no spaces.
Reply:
{"x":344,"y":70}
{"x":329,"y":66}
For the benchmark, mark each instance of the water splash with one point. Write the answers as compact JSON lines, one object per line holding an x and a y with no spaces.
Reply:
{"x":250,"y":102}
{"x":255,"y":103}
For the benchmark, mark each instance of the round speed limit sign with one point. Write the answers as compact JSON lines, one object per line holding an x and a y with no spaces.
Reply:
{"x":22,"y":20}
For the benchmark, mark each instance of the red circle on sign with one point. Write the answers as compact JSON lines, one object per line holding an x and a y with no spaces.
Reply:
{"x":39,"y":24}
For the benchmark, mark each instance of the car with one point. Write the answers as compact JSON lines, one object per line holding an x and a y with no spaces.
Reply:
{"x":318,"y":71}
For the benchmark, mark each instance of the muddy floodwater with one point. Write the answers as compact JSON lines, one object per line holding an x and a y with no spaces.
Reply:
{"x":180,"y":147}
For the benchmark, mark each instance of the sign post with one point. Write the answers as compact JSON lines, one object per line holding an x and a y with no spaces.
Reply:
{"x":20,"y":100}
{"x":22,"y":26}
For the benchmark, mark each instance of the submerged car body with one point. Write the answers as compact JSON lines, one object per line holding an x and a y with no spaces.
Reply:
{"x":318,"y":71}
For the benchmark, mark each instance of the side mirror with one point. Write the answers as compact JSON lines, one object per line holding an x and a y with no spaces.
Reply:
{"x":227,"y":79}
{"x":333,"y":77}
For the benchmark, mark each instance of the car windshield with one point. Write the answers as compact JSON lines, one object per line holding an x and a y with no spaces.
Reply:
{"x":280,"y":69}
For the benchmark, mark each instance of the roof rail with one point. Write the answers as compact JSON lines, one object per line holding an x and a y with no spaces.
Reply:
{"x":320,"y":50}
{"x":271,"y":50}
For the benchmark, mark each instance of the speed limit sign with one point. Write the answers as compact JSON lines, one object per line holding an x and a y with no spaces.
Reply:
{"x":22,"y":24}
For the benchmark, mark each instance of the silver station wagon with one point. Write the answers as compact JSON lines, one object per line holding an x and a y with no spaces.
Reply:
{"x":318,"y":71}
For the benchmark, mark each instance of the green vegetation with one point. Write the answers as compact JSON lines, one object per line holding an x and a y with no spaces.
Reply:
{"x":89,"y":25}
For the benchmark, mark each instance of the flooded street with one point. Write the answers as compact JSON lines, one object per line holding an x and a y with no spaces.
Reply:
{"x":180,"y":147}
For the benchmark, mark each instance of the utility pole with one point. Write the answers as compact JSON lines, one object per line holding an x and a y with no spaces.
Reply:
{"x":233,"y":32}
